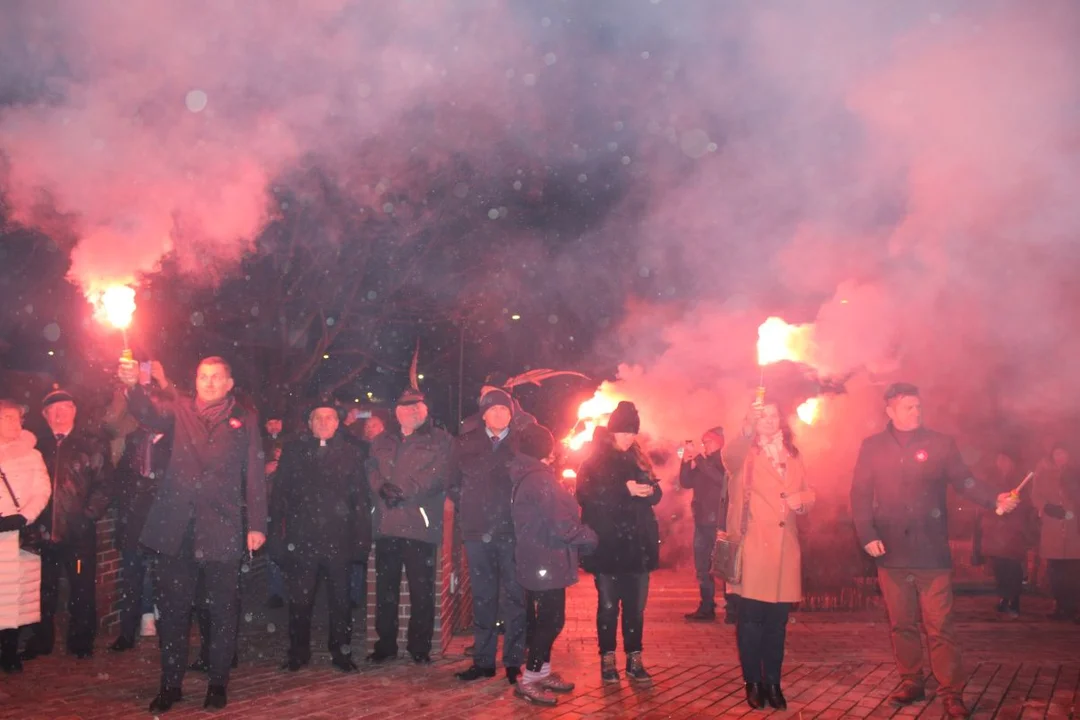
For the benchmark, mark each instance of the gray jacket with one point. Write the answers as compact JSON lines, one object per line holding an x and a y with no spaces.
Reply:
{"x":419,"y":465}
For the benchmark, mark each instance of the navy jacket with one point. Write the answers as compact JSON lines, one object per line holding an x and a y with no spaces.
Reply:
{"x":480,"y":485}
{"x":898,"y":496}
{"x":212,"y":472}
{"x":547,"y":529}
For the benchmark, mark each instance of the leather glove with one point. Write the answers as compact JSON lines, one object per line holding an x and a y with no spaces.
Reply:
{"x":392,"y":495}
{"x":12,"y":522}
{"x":1054,"y":511}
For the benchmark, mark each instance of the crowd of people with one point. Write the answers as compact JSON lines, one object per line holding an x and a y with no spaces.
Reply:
{"x":198,"y":486}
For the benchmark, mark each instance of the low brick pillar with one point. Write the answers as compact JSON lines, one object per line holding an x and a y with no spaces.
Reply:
{"x":108,"y":573}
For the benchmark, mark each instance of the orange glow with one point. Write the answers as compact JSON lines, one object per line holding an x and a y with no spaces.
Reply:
{"x":594,"y":411}
{"x":778,"y":341}
{"x":115,"y":306}
{"x":809,"y":411}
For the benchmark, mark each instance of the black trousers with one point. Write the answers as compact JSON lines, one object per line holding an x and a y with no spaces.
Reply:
{"x":418,"y":558}
{"x":301,"y":582}
{"x":496,"y":596}
{"x":1064,"y":585}
{"x":704,"y":545}
{"x":9,"y":645}
{"x":545,"y":615}
{"x":79,"y":563}
{"x":1009,"y":577}
{"x":177,"y":582}
{"x":761,"y":632}
{"x":629,"y":592}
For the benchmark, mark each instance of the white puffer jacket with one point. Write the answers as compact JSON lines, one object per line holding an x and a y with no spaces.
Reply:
{"x":29,"y":480}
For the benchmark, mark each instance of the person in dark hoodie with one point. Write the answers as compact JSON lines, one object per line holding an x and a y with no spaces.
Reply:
{"x":708,"y":478}
{"x":548,"y":535}
{"x":407,"y":472}
{"x":617,"y":492}
{"x":480,"y":488}
{"x":321,"y":509}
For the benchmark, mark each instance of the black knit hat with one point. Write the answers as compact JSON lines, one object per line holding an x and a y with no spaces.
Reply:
{"x":496,"y":397}
{"x":625,"y":419}
{"x":56,"y":395}
{"x":536,"y":441}
{"x":411,"y":396}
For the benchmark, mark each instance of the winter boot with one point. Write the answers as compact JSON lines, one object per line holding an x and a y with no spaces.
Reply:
{"x":635,"y":670}
{"x":534,"y":693}
{"x":299,"y":637}
{"x":608,"y":673}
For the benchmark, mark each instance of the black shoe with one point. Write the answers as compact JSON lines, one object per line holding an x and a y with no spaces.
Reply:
{"x":1003,"y":606}
{"x":122,"y":644}
{"x":701,"y":615}
{"x":775,"y":696}
{"x":274,"y":602}
{"x":474,"y":672}
{"x":908,"y":694}
{"x":344,"y":663}
{"x":470,"y":651}
{"x":201,"y":665}
{"x":11,"y":665}
{"x":293,"y":664}
{"x":378,"y":657}
{"x":83,"y":653}
{"x":755,"y":695}
{"x":215,"y":698}
{"x":512,"y":675}
{"x":421,"y":658}
{"x":731,"y":618}
{"x":165,"y":700}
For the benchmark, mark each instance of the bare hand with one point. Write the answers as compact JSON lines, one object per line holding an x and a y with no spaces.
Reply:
{"x":271,"y":467}
{"x":1007,"y":502}
{"x":128,"y":372}
{"x":157,"y":372}
{"x":255,"y":540}
{"x":875,"y":549}
{"x":637,"y":489}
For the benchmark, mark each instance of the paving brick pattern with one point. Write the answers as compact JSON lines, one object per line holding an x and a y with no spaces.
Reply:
{"x":838,"y":666}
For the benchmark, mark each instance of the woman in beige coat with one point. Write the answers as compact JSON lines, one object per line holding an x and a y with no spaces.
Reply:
{"x":772,"y":489}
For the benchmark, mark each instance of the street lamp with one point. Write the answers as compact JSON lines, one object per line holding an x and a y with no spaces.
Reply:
{"x":515,"y":316}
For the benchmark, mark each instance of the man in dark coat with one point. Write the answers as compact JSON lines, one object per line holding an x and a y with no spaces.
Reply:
{"x":481,"y":488}
{"x":141,"y":467}
{"x":321,"y":507}
{"x":899,"y":508}
{"x":407,"y":472}
{"x":80,"y":470}
{"x":196,"y":523}
{"x":708,"y":478}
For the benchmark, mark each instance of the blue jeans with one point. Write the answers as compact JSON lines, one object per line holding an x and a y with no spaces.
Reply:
{"x":704,"y":543}
{"x":496,"y":596}
{"x":275,"y":580}
{"x":136,"y":591}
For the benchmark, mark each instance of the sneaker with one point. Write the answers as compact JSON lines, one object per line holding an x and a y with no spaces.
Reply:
{"x":535,"y":693}
{"x":608,"y":673}
{"x":555,"y":683}
{"x":635,"y":670}
{"x":149,"y":625}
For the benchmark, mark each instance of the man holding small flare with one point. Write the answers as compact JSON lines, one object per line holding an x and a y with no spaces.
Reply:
{"x":898,"y":504}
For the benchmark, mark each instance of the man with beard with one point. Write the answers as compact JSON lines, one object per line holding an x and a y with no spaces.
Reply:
{"x":321,"y":508}
{"x":708,"y":478}
{"x":196,"y":522}
{"x":900,"y":511}
{"x":481,"y":488}
{"x":407,"y":471}
{"x":79,"y":468}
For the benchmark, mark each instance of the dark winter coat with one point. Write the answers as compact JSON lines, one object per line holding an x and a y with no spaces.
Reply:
{"x":547,"y":530}
{"x":419,"y":465}
{"x":626,"y":525}
{"x":708,"y":478}
{"x":898,"y":496}
{"x":81,"y":475}
{"x":1010,"y":535}
{"x":141,"y":469}
{"x":480,"y":485}
{"x":321,"y":503}
{"x":212,"y":472}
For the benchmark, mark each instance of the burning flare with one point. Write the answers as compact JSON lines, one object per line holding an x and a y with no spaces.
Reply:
{"x":591,"y":413}
{"x":115,"y":306}
{"x":779,"y":341}
{"x":809,"y":411}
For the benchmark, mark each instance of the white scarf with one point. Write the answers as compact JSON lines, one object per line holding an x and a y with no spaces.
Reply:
{"x":776,"y":452}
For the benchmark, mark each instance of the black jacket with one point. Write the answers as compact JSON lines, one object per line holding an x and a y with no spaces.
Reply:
{"x":708,"y":478}
{"x":81,"y":474}
{"x":212,"y":471}
{"x":321,"y":504}
{"x":419,"y":466}
{"x":480,"y":485}
{"x":626,"y":525}
{"x":548,"y":532}
{"x":140,"y":470}
{"x":898,"y":496}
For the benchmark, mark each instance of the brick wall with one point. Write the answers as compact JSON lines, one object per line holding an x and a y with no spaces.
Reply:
{"x":108,"y":573}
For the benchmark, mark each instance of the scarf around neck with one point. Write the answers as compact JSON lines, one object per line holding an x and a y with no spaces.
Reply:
{"x":214,"y":413}
{"x":776,"y":452}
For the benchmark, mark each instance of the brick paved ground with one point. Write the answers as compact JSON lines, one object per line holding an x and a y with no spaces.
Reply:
{"x":838,"y":666}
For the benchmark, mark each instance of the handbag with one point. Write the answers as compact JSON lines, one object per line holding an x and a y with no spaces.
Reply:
{"x":728,"y":551}
{"x":30,"y":538}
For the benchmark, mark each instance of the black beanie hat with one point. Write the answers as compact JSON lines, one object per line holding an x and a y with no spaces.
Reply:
{"x":625,"y":419}
{"x":536,"y":441}
{"x":496,"y":397}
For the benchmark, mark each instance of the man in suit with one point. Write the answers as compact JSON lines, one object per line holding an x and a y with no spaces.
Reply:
{"x":196,"y":522}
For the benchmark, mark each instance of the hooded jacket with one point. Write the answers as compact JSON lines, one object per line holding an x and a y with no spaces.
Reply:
{"x":418,"y":464}
{"x":27,"y":476}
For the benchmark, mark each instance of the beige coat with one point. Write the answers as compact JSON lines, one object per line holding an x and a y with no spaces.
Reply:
{"x":1059,"y":539}
{"x":772,"y":559}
